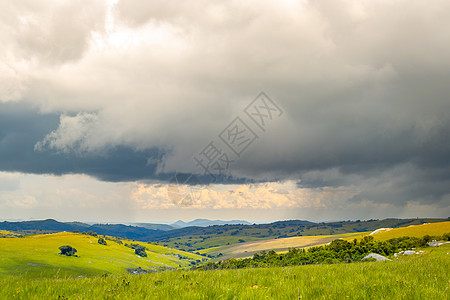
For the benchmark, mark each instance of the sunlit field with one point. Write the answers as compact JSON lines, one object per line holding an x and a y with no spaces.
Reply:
{"x":411,"y":277}
{"x":36,"y":256}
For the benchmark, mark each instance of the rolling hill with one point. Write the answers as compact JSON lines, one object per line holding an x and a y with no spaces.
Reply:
{"x":195,"y":238}
{"x":53,"y":226}
{"x":37,"y":255}
{"x":199,"y":238}
{"x":247,"y":249}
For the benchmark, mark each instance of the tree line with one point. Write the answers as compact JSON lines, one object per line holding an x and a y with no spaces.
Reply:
{"x":338,"y":251}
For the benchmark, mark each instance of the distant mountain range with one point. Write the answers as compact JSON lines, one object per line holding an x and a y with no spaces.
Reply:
{"x":206,"y":223}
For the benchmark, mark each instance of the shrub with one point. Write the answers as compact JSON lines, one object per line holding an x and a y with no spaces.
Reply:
{"x":138,"y":249}
{"x":141,"y":252}
{"x":446,"y":236}
{"x":102,"y":241}
{"x":67,"y":250}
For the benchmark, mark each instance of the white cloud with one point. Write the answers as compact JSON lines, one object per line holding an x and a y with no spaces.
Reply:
{"x":273,"y":195}
{"x":73,"y":134}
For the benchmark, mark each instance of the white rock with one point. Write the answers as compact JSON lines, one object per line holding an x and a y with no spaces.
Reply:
{"x":378,"y":257}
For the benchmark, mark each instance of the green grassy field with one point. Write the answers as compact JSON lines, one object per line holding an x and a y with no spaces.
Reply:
{"x":37,"y":255}
{"x":411,"y":277}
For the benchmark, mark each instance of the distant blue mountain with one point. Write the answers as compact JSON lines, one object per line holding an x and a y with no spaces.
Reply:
{"x":206,"y":223}
{"x":153,"y":226}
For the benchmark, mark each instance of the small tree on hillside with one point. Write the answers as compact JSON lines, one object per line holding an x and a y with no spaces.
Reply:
{"x":102,"y":241}
{"x":67,"y":250}
{"x":141,"y":252}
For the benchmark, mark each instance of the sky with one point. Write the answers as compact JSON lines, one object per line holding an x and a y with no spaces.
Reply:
{"x":154,"y":111}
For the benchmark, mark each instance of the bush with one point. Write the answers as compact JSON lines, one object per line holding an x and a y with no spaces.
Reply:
{"x":91,"y":233}
{"x":102,"y":241}
{"x":67,"y":250}
{"x":141,"y":252}
{"x":138,"y":249}
{"x":446,"y":236}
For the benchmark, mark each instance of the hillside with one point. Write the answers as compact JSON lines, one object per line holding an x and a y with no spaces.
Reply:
{"x":249,"y":248}
{"x":53,"y":226}
{"x":199,"y":238}
{"x":432,"y":229}
{"x":38,"y":255}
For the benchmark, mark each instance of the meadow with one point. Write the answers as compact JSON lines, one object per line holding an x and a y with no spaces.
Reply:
{"x":37,"y":255}
{"x":411,"y":277}
{"x":432,"y":229}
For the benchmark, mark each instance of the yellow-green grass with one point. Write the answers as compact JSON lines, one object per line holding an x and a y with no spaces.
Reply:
{"x":432,"y":229}
{"x":280,"y":245}
{"x":38,"y":256}
{"x":410,"y":277}
{"x":8,"y":233}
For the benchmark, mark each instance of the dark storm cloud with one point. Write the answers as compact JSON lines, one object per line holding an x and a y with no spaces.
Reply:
{"x":21,"y":127}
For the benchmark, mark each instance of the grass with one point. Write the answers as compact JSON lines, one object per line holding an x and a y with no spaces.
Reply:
{"x":433,"y":229}
{"x":37,"y":256}
{"x":410,"y":277}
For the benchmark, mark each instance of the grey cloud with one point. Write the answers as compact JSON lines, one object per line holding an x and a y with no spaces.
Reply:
{"x":364,"y":87}
{"x":51,"y":32}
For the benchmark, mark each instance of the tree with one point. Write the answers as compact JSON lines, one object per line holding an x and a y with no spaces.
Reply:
{"x":102,"y":241}
{"x":446,"y":236}
{"x":141,"y":252}
{"x":67,"y":250}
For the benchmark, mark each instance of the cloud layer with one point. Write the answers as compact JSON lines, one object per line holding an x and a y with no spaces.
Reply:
{"x":127,"y":90}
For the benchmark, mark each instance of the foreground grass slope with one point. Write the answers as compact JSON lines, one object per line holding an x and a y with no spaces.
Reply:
{"x":411,"y":277}
{"x":38,"y":256}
